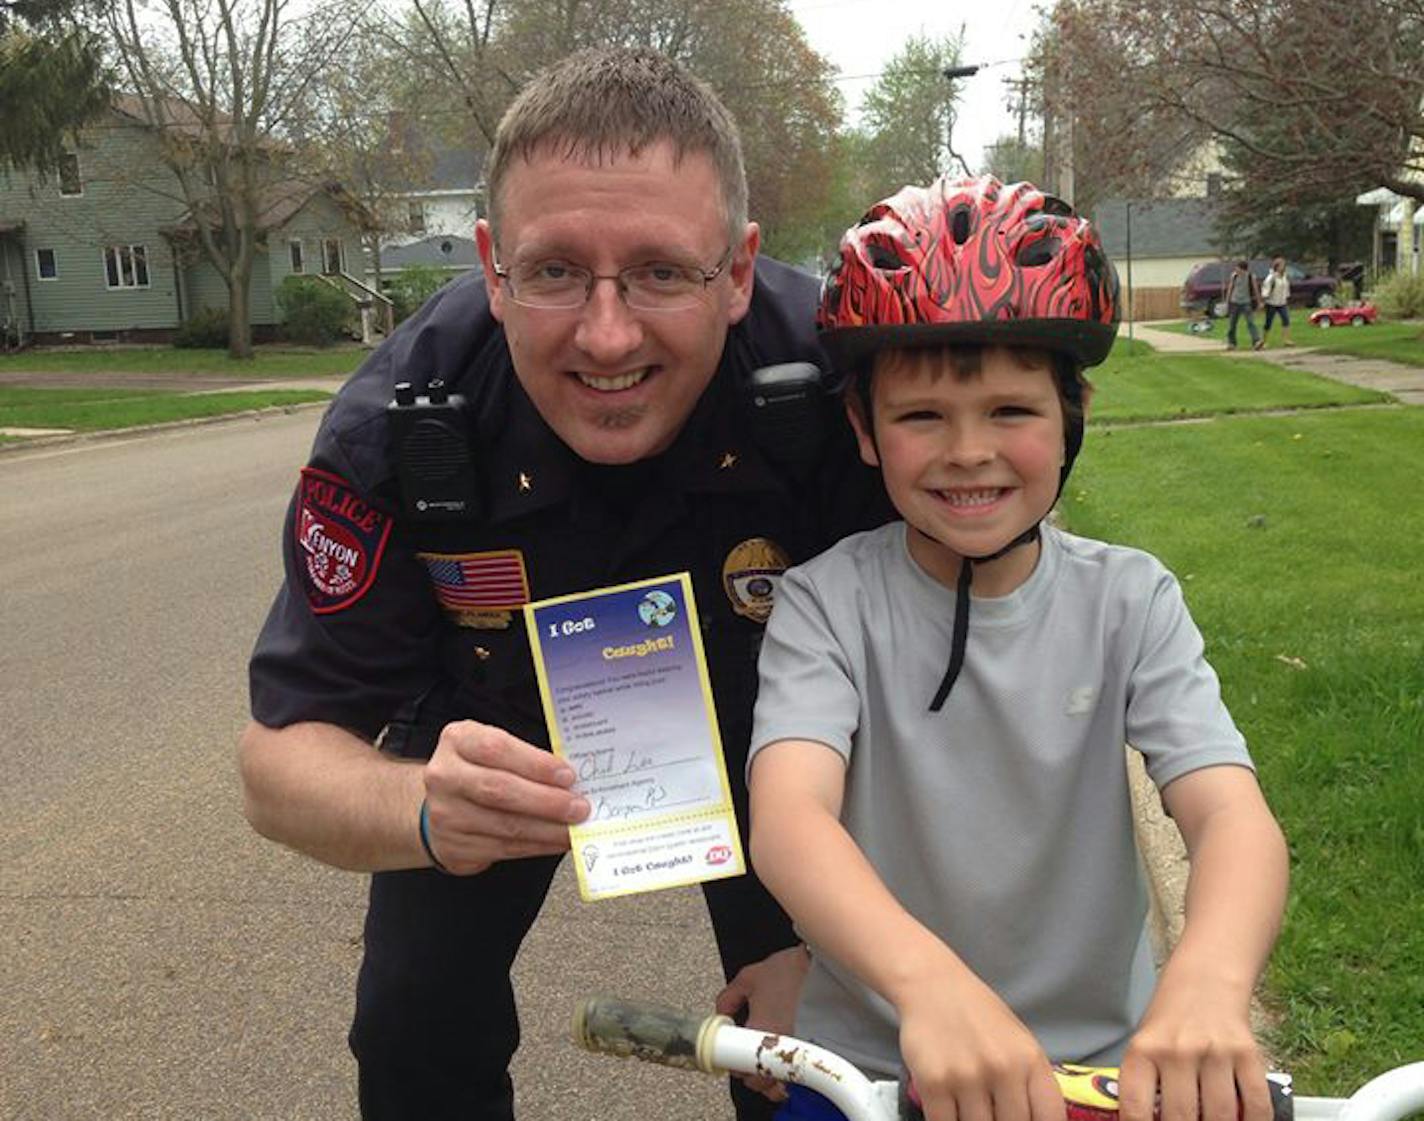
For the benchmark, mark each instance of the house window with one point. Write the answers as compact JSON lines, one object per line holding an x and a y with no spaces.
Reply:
{"x":46,"y":268}
{"x":331,"y":257}
{"x":1213,"y":185}
{"x":415,"y":216}
{"x":126,"y":266}
{"x":69,"y":182}
{"x":298,"y":261}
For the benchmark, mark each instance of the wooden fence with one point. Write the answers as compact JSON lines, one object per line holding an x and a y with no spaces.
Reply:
{"x":1153,"y":303}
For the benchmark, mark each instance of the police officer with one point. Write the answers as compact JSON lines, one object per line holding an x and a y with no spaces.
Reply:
{"x":586,"y":411}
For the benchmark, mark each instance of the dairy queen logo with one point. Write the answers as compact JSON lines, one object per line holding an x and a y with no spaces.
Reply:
{"x":340,"y":539}
{"x":718,"y":854}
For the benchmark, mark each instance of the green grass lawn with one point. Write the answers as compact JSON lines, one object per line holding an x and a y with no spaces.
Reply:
{"x":1301,"y":566}
{"x":1137,"y":383}
{"x":269,"y":362}
{"x":1396,"y":342}
{"x":92,"y":409}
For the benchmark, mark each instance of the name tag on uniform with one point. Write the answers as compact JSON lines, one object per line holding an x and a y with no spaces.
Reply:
{"x":628,"y":701}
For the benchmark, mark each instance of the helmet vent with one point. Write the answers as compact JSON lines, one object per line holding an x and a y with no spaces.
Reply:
{"x":1039,"y":252}
{"x":959,"y":226}
{"x":885,"y":257}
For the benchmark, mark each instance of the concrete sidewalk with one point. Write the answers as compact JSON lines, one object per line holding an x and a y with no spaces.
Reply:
{"x":1404,"y":382}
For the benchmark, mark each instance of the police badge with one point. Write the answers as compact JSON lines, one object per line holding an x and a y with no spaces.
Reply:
{"x":750,"y":575}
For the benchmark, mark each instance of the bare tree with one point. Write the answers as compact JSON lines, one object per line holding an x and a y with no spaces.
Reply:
{"x":751,"y":51}
{"x":226,"y":83}
{"x":364,"y":133}
{"x":1318,"y":99}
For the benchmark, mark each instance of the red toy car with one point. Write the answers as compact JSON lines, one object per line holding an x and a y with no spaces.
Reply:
{"x":1356,"y":315}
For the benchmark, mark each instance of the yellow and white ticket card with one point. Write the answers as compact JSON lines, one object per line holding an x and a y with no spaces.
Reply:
{"x":628,"y":702}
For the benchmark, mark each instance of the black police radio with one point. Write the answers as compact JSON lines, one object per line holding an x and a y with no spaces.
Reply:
{"x":789,"y":409}
{"x":430,"y":437}
{"x":430,"y":440}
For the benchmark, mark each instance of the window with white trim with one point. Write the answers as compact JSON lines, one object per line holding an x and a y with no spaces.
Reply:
{"x":298,"y":261}
{"x":46,"y":267}
{"x":70,"y":182}
{"x":415,"y":216}
{"x":331,"y":256}
{"x":126,"y":266}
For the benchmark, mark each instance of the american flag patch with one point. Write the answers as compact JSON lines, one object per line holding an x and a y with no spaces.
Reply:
{"x":479,"y":581}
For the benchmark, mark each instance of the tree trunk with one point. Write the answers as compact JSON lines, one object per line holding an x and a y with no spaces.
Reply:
{"x":239,"y":318}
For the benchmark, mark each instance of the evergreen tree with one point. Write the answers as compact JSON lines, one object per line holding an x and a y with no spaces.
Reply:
{"x":52,"y":80}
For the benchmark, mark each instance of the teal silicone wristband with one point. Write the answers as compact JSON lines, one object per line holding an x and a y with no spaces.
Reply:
{"x":425,"y":837}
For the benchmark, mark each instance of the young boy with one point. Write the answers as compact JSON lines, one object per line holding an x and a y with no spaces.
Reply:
{"x":939,"y":795}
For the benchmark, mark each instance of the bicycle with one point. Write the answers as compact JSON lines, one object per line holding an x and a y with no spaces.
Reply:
{"x":715,"y":1045}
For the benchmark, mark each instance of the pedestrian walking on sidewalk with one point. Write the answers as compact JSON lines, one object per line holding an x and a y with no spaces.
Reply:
{"x":1275,"y":292}
{"x":1242,"y":293}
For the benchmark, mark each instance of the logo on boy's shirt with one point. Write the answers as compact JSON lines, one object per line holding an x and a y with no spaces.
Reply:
{"x":1081,"y":701}
{"x":750,"y":574}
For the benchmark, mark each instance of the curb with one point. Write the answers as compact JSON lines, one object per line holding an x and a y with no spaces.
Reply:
{"x":98,"y":435}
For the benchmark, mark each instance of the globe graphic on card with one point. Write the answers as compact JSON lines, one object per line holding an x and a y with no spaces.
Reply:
{"x":657,"y":609}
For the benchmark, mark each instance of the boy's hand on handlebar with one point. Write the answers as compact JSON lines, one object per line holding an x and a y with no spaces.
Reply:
{"x":493,"y":796}
{"x":769,"y":990}
{"x":1194,"y":1047}
{"x":972,"y":1059}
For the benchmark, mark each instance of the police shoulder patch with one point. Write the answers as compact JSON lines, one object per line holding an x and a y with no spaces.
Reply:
{"x":340,"y":540}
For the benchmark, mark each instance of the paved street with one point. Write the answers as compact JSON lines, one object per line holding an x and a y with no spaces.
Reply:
{"x":160,"y":960}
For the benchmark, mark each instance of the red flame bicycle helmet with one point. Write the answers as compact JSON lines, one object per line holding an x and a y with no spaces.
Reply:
{"x":969,"y":260}
{"x":973,"y":261}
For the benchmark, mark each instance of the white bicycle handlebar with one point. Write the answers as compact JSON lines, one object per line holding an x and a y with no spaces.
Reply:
{"x":714,"y":1045}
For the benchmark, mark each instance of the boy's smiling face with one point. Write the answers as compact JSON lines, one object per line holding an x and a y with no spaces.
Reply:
{"x":969,"y":460}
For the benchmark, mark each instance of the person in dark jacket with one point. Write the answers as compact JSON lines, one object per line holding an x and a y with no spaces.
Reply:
{"x":1242,"y":293}
{"x":599,"y":374}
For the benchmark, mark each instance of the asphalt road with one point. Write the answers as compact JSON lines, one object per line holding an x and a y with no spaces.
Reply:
{"x":159,"y":959}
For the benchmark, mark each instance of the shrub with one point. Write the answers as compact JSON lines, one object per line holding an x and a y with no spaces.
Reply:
{"x":205,"y":329}
{"x":413,"y":285}
{"x":313,"y":312}
{"x":1399,"y":295}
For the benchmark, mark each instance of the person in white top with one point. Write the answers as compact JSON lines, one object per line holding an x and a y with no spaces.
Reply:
{"x":1275,"y":291}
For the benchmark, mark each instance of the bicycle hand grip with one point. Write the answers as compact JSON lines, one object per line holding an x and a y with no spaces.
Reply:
{"x":1091,"y":1094}
{"x":650,"y":1032}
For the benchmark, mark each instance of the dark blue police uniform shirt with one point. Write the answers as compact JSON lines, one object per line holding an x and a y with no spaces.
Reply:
{"x":377,"y":651}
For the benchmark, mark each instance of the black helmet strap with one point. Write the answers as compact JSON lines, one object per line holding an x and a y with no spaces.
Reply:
{"x":961,"y":613}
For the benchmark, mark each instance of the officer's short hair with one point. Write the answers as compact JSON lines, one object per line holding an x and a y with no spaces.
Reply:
{"x":605,"y":102}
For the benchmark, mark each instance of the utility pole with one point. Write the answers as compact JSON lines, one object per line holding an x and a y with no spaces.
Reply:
{"x":1019,"y":87}
{"x":951,"y":73}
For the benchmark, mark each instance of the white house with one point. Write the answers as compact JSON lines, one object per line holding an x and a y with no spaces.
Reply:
{"x":1399,"y":229}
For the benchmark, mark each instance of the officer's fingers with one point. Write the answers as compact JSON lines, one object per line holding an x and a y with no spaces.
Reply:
{"x":484,"y":745}
{"x":768,"y":1088}
{"x":464,"y":820}
{"x":468,"y":855}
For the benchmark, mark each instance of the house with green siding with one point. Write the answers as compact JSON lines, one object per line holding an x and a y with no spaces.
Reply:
{"x":106,"y":250}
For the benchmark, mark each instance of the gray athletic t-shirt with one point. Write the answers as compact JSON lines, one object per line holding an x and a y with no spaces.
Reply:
{"x":1003,"y":821}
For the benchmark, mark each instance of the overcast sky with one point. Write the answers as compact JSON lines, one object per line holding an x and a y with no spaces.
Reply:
{"x":860,"y":36}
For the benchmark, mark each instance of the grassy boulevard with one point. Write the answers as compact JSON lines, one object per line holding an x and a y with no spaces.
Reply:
{"x":108,"y":405}
{"x":1300,"y":564}
{"x":1299,"y":559}
{"x":1395,"y":342}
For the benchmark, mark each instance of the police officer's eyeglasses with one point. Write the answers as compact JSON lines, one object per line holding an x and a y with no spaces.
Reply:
{"x":656,"y":286}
